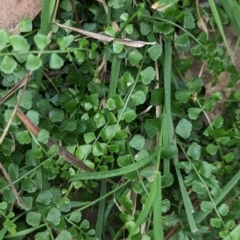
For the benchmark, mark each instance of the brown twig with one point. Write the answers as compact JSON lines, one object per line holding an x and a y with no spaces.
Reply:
{"x":19,"y":85}
{"x":70,"y":158}
{"x":19,"y":200}
{"x":75,"y":14}
{"x":24,"y":84}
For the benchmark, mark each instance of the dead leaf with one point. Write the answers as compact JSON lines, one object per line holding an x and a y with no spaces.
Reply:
{"x":12,"y":11}
{"x":101,"y":37}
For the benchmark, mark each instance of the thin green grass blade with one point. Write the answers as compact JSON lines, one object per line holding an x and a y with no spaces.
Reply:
{"x":146,"y":208}
{"x":24,"y":233}
{"x":233,"y":11}
{"x":200,"y":216}
{"x":3,"y":232}
{"x":157,"y":210}
{"x":113,"y":173}
{"x":167,"y":115}
{"x":186,"y":200}
{"x":234,"y":234}
{"x":46,"y":21}
{"x":116,"y":63}
{"x":101,"y":211}
{"x":219,"y":24}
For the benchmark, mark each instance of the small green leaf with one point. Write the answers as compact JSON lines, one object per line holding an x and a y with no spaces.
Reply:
{"x":53,"y":150}
{"x":111,"y":118}
{"x":138,"y":98}
{"x":137,"y":142}
{"x":167,"y":180}
{"x":36,"y":153}
{"x":117,"y":47}
{"x":79,"y":55}
{"x":110,"y":104}
{"x":169,"y":151}
{"x":29,"y":185}
{"x":65,"y":42}
{"x":223,"y":209}
{"x":33,"y":62}
{"x":184,"y":128}
{"x":229,"y":157}
{"x":26,"y":101}
{"x":193,"y":113}
{"x":230,"y":224}
{"x":4,"y":36}
{"x":131,"y":225}
{"x":8,"y":65}
{"x":84,"y":224}
{"x":206,"y":206}
{"x":209,"y":104}
{"x":198,"y":187}
{"x":89,"y":137}
{"x":64,"y":235}
{"x":124,"y":16}
{"x":10,"y":226}
{"x":83,"y":42}
{"x":129,"y":115}
{"x":3,"y":205}
{"x":110,"y":31}
{"x":135,"y":57}
{"x":182,"y":95}
{"x":19,"y":43}
{"x":216,"y":191}
{"x":194,"y":151}
{"x":109,"y":132}
{"x":56,"y":115}
{"x":124,"y":160}
{"x":196,"y":84}
{"x":126,"y":202}
{"x":155,"y":51}
{"x":218,"y":122}
{"x":148,"y":172}
{"x":152,"y":126}
{"x":182,"y":40}
{"x":215,"y":222}
{"x":83,"y":151}
{"x":75,"y":216}
{"x":145,"y":29}
{"x":42,"y":235}
{"x":197,"y":50}
{"x":166,"y":205}
{"x":212,"y":149}
{"x":45,"y":197}
{"x":25,"y":25}
{"x":116,"y":3}
{"x":206,"y":169}
{"x":56,"y":62}
{"x":236,"y":94}
{"x":41,"y":41}
{"x":129,"y":29}
{"x":54,"y":216}
{"x":33,"y":218}
{"x":147,"y":75}
{"x":157,"y":97}
{"x":68,"y":125}
{"x":23,"y":137}
{"x":186,"y":166}
{"x":33,"y":116}
{"x":188,"y":21}
{"x":99,"y":149}
{"x":43,"y":136}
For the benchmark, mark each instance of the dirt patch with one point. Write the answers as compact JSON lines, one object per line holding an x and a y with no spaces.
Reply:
{"x":12,"y":11}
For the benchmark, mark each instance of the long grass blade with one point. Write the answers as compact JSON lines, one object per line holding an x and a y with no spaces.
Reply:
{"x":114,"y":173}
